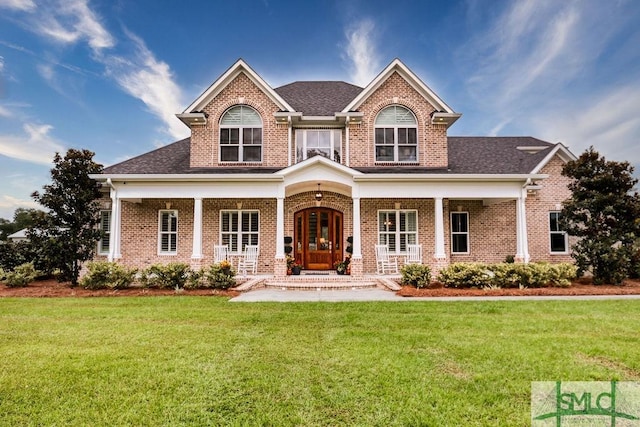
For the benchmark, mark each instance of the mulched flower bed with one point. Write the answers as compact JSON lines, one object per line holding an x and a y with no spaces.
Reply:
{"x":53,"y":288}
{"x":580,"y":287}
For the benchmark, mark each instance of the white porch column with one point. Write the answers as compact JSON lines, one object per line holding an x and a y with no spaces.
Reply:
{"x":439,"y":230}
{"x":357,"y":244}
{"x":280,"y":227}
{"x":114,"y":227}
{"x":522,"y":241}
{"x":197,"y":228}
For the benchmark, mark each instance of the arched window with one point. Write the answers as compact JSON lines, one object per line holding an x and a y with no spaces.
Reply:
{"x":396,"y":135}
{"x":241,"y":135}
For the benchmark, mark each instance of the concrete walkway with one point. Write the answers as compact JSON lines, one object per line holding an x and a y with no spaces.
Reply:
{"x":278,"y":295}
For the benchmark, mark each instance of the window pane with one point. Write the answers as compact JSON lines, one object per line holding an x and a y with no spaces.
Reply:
{"x":459,"y":242}
{"x":234,"y":136}
{"x":252,"y":154}
{"x":459,"y":222}
{"x":384,"y":154}
{"x":406,"y":154}
{"x":388,"y":136}
{"x":553,"y":221}
{"x":229,"y":154}
{"x":379,"y":136}
{"x":402,"y":135}
{"x":412,"y":137}
{"x":558,"y":242}
{"x":224,"y":136}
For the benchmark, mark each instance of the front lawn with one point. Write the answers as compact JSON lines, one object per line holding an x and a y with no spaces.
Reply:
{"x":204,"y":361}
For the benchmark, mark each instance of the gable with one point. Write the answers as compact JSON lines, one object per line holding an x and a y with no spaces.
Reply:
{"x":442,"y":114}
{"x":240,"y":67}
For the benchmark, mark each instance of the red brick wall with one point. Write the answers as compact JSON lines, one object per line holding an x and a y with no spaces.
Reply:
{"x":539,"y":204}
{"x":432,"y":139}
{"x":241,"y":91}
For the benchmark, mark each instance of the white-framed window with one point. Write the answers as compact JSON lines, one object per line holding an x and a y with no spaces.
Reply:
{"x":318,"y":142}
{"x":105,"y":227}
{"x":396,"y":135}
{"x":460,"y":232}
{"x":241,"y":135}
{"x":239,"y":228}
{"x":397,"y":229}
{"x":557,"y":237}
{"x":168,"y":232}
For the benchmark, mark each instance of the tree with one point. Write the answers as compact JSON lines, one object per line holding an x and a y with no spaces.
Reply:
{"x":68,"y":233}
{"x":22,"y":218}
{"x":602,"y":212}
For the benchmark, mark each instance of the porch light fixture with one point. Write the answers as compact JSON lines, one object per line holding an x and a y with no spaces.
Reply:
{"x":318,"y":194}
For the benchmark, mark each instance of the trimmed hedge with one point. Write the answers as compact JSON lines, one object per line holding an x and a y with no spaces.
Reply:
{"x":416,"y":275}
{"x":20,"y":276}
{"x":507,"y":275}
{"x":107,"y":275}
{"x":173,"y":275}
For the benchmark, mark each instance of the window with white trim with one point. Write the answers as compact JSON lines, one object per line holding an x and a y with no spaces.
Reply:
{"x":239,"y":228}
{"x":168,"y":232}
{"x":396,"y":135}
{"x":105,"y":228}
{"x":397,"y":229}
{"x":557,"y":237}
{"x":460,"y":232}
{"x":241,"y":135}
{"x":318,"y":142}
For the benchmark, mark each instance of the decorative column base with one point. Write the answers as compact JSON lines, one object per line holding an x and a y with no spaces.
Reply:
{"x":355,"y":267}
{"x":196,"y":263}
{"x":280,"y":267}
{"x":438,"y":264}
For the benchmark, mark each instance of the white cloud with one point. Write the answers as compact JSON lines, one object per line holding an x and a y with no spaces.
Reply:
{"x":12,"y":203}
{"x":361,"y":52}
{"x":150,"y":80}
{"x":4,"y":112}
{"x":35,"y":145}
{"x":69,"y":21}
{"x":25,"y":5}
{"x":609,"y":122}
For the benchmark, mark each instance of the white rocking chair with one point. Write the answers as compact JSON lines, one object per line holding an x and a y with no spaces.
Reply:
{"x":385,"y":263}
{"x":414,"y":254}
{"x":220,"y":253}
{"x":249,"y":260}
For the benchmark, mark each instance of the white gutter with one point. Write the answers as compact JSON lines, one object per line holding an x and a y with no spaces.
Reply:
{"x":379,"y":177}
{"x":266,"y":177}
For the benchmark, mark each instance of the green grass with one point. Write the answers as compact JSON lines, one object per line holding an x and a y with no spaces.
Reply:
{"x":205,"y":361}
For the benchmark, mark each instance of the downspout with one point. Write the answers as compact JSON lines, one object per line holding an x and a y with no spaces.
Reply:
{"x":346,"y":135}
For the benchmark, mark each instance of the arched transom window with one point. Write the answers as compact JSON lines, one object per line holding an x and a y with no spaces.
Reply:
{"x":241,"y":135}
{"x":396,"y":137}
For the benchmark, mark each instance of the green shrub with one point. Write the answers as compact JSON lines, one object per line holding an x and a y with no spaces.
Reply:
{"x":219,"y":276}
{"x":21,"y":276}
{"x":416,"y":275}
{"x":466,"y":275}
{"x":166,"y":276}
{"x":107,"y":275}
{"x":506,"y":275}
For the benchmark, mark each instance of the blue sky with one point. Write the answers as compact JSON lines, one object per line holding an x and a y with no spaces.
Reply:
{"x":110,"y":76}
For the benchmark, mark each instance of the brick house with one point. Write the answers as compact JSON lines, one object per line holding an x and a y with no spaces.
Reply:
{"x":334,"y":168}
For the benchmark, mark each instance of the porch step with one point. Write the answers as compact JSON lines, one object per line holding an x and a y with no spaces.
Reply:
{"x":320,"y":281}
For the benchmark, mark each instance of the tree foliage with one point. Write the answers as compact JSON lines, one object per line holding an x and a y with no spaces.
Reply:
{"x":68,"y":233}
{"x":603,"y":213}
{"x":22,"y":218}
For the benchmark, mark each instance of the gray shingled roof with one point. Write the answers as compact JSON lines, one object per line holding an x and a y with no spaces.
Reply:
{"x":494,"y":155}
{"x":467,"y":155}
{"x":318,"y":98}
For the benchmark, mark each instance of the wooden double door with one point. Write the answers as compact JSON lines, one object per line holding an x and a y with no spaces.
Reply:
{"x":318,"y":238}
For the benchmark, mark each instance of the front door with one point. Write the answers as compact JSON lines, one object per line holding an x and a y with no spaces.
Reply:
{"x":318,"y":238}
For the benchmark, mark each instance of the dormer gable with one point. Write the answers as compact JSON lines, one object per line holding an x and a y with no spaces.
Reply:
{"x":193,"y":114}
{"x":443,"y":114}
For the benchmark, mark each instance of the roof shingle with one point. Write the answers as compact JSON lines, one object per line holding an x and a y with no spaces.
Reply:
{"x":318,"y":98}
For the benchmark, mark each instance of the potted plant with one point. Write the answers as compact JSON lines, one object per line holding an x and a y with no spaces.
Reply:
{"x":342,"y":267}
{"x":293,"y":267}
{"x":296,"y":268}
